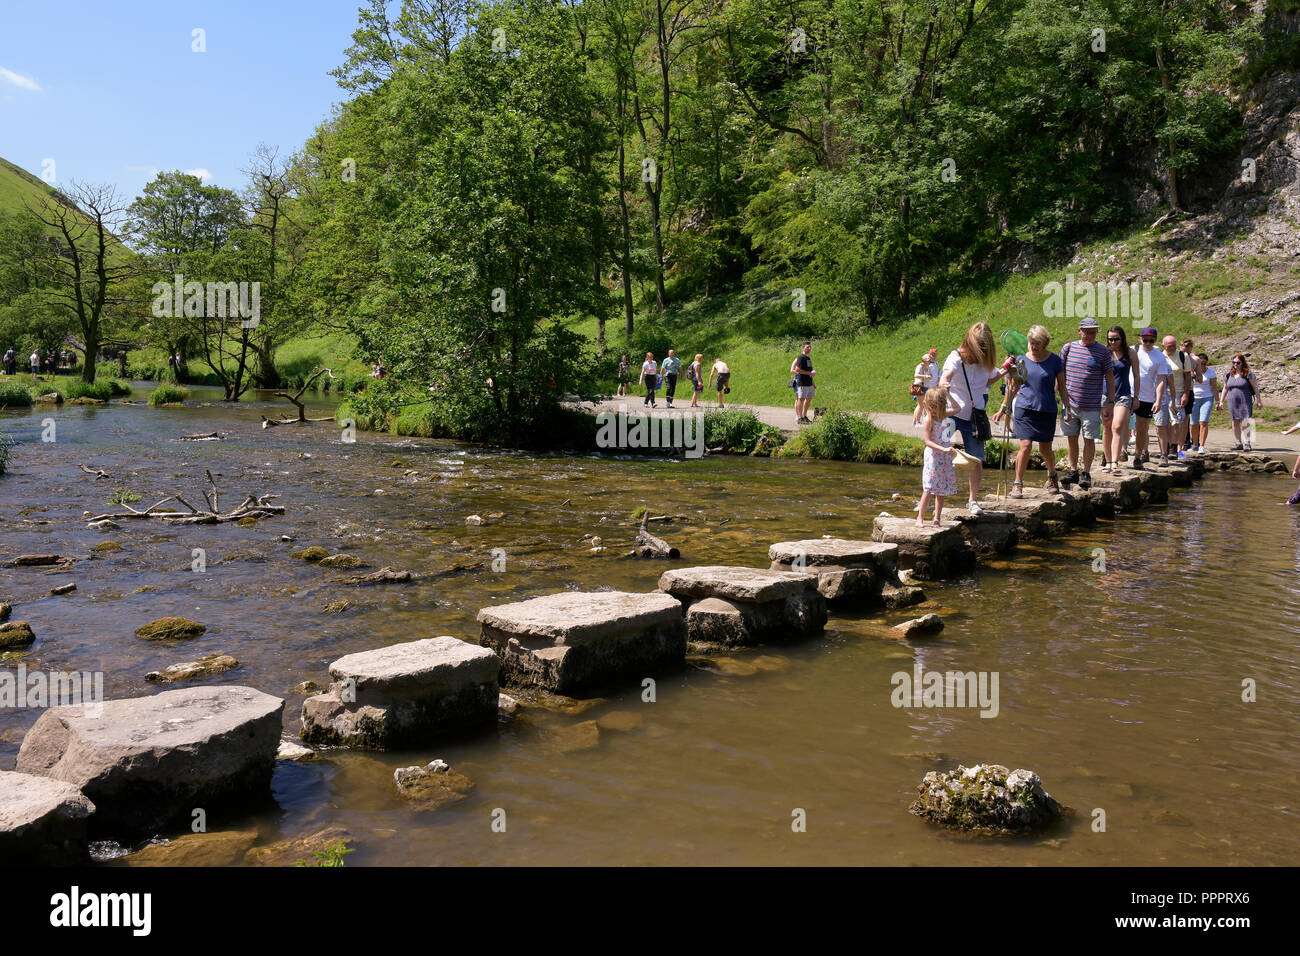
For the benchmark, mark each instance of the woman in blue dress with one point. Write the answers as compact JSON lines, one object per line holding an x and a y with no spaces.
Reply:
{"x":1034,"y":408}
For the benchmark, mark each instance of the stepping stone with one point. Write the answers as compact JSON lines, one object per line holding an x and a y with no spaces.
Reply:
{"x":404,"y":695}
{"x":1127,"y":488}
{"x":931,"y":553}
{"x":1038,"y":515}
{"x":992,"y":531}
{"x":577,"y":641}
{"x":741,"y":606}
{"x":42,"y":821}
{"x":148,"y":762}
{"x":848,"y":572}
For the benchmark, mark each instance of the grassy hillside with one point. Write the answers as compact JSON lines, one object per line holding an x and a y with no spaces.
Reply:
{"x":758,"y":335}
{"x":17,"y":185}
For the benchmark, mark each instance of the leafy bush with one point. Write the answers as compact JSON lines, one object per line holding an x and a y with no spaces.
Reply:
{"x":850,"y":437}
{"x":6,"y":447}
{"x":168,"y":394}
{"x":13,"y":395}
{"x":739,"y":431}
{"x":101,"y":390}
{"x":120,"y":388}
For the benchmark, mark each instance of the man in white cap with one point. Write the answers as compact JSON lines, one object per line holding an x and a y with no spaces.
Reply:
{"x":1089,"y":376}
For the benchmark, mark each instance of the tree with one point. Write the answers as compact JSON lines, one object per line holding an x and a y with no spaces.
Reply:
{"x":86,"y":265}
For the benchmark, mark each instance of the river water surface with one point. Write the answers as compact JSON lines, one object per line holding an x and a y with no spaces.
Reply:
{"x":1122,"y":687}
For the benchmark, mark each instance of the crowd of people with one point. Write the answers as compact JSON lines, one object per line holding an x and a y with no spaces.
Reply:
{"x":1101,"y":392}
{"x":47,"y":361}
{"x":667,"y":373}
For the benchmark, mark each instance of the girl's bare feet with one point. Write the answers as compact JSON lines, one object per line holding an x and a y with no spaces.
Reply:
{"x":936,"y":523}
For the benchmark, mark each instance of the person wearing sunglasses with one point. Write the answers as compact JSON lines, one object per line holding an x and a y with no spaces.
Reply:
{"x":1153,"y":376}
{"x":1204,"y":395}
{"x":1090,"y":384}
{"x":1115,"y":417}
{"x":1240,"y":393}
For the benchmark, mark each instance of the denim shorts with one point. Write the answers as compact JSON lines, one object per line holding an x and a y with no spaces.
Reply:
{"x":1201,"y":408}
{"x":972,"y":445}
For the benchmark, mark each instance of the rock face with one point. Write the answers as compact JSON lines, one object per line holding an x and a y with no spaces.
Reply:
{"x":931,"y":553}
{"x":148,"y":762}
{"x":15,"y":634}
{"x":987,"y":798}
{"x":571,"y":642}
{"x":192,"y":670}
{"x":741,"y":606}
{"x":404,"y":696}
{"x":42,"y":821}
{"x":849,"y":573}
{"x":170,"y":628}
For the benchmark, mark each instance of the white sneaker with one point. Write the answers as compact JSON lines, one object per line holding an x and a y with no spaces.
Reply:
{"x":974,"y":508}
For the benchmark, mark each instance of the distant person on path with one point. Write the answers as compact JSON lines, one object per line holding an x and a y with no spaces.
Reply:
{"x":723,"y":372}
{"x":939,"y":476}
{"x":695,"y":375}
{"x":671,"y":368}
{"x":1090,"y":384}
{"x":624,"y":375}
{"x":1034,"y":415}
{"x":35,"y":362}
{"x":968,"y":371}
{"x":650,"y":378}
{"x":11,"y":362}
{"x":1241,"y":392}
{"x":1153,"y":377}
{"x":924,"y":377}
{"x":804,"y":389}
{"x":1204,"y":395}
{"x":1181,"y":365}
{"x":1115,"y":417}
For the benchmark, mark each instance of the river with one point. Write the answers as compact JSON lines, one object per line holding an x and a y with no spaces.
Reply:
{"x":1122,"y":688}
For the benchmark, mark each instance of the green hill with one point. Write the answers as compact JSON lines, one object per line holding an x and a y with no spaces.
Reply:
{"x":17,"y":186}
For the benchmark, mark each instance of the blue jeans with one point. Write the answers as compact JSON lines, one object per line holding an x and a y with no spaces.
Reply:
{"x":972,"y":445}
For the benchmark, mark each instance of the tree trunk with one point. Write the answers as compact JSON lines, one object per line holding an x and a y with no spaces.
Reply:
{"x":92,"y":350}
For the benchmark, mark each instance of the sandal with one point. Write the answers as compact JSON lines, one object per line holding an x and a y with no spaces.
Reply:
{"x":1017,"y":489}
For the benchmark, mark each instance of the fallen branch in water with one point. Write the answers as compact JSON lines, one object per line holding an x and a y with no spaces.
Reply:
{"x":253,"y":506}
{"x":207,"y":437}
{"x":98,"y":472}
{"x":296,"y":398}
{"x":648,"y":546}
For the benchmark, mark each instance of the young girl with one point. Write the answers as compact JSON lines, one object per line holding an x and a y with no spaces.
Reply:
{"x":939,"y":477}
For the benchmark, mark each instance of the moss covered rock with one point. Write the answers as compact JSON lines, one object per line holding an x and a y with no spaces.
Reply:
{"x":16,"y":634}
{"x":986,"y":798}
{"x":314,"y":553}
{"x":170,"y":628}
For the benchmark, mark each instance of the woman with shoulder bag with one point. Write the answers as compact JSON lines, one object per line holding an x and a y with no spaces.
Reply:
{"x":967,"y":374}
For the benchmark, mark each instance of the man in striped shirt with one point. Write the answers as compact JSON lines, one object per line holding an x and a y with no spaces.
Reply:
{"x":1089,"y":375}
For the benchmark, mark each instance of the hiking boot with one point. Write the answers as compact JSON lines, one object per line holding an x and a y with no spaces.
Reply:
{"x":1137,"y":465}
{"x":1085,"y":480}
{"x":1071,"y":478}
{"x":1051,"y":484}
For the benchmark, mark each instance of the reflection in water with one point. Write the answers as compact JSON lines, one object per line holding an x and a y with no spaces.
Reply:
{"x":1122,"y":688}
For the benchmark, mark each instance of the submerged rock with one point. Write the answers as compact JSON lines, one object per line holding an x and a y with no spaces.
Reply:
{"x":196,"y":849}
{"x":344,"y":561}
{"x":432,"y":786}
{"x":5,"y":610}
{"x":170,"y":628}
{"x":35,"y":560}
{"x":107,"y":547}
{"x":925,"y":624}
{"x":985,"y":798}
{"x":192,"y":670}
{"x":62,"y":589}
{"x":291,"y":751}
{"x":314,"y":553}
{"x":298,"y":850}
{"x":16,"y":634}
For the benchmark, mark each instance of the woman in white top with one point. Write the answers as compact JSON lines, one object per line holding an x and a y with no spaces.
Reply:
{"x":1204,"y":394}
{"x":650,"y":378}
{"x":967,"y":374}
{"x":924,"y":378}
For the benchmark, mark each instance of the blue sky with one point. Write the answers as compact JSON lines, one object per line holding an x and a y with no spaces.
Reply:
{"x":112,"y":91}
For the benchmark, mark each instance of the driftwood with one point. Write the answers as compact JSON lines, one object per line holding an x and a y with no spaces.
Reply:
{"x":98,"y":472}
{"x":296,"y":399}
{"x":253,"y":506}
{"x":207,"y":437}
{"x":648,"y":546}
{"x":382,"y":576}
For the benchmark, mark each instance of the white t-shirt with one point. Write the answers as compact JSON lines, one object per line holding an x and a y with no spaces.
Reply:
{"x":1205,"y":389}
{"x":978,"y":377}
{"x":930,"y":378}
{"x":1151,"y":365}
{"x":648,"y":368}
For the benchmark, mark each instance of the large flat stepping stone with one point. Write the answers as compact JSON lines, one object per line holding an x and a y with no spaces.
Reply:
{"x":404,"y":695}
{"x":992,"y":531}
{"x":848,"y":572}
{"x":931,"y":553}
{"x":1039,"y":514}
{"x":743,"y":606}
{"x":148,"y":762}
{"x":42,"y":821}
{"x":574,"y":642}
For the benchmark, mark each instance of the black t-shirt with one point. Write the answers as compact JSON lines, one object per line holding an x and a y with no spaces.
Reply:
{"x":804,"y":364}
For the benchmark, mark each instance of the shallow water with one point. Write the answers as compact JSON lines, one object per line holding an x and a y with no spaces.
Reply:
{"x":1121,"y":688}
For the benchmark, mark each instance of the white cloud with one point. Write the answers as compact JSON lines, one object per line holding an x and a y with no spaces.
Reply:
{"x":18,"y":80}
{"x":200,"y":172}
